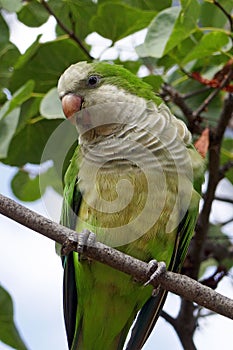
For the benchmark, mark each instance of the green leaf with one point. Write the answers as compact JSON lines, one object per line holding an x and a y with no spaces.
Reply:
{"x":212,"y":16}
{"x":133,"y":66}
{"x":185,"y":24}
{"x":149,"y":4}
{"x":53,"y":179}
{"x":33,"y":14}
{"x":227,"y":156}
{"x":8,"y":56}
{"x":222,"y":242}
{"x":50,"y":106}
{"x":8,"y":331}
{"x":4,"y":30}
{"x":205,"y":264}
{"x":209,"y":44}
{"x":11,"y":6}
{"x":115,"y":20}
{"x":61,"y":152}
{"x":21,"y":95}
{"x":159,"y":32}
{"x":154,"y":80}
{"x":25,"y":188}
{"x":76,"y":16}
{"x":45,"y":62}
{"x":29,"y":188}
{"x":8,"y":127}
{"x":27,"y":145}
{"x":29,"y":110}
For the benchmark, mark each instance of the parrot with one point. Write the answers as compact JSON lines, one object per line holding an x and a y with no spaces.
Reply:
{"x":134,"y":180}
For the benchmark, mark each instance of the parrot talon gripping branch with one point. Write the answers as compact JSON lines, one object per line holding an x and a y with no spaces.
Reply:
{"x":85,"y":238}
{"x":155,"y":269}
{"x":134,"y":180}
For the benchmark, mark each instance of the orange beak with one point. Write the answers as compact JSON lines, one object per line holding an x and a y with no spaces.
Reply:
{"x":71,"y":104}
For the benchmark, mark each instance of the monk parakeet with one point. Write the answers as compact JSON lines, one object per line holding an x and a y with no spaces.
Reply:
{"x":134,"y":180}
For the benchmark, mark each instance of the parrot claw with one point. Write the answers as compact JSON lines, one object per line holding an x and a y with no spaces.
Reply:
{"x":85,"y":238}
{"x":155,"y":269}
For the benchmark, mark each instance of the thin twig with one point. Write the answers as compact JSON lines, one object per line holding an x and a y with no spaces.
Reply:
{"x":177,"y":98}
{"x":212,"y":95}
{"x":66,"y":30}
{"x":223,"y":199}
{"x":224,"y":169}
{"x":226,"y":222}
{"x":176,"y":283}
{"x":195,"y":92}
{"x":228,"y":15}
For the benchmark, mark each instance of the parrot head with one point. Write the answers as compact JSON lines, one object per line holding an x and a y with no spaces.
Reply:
{"x":101,"y":97}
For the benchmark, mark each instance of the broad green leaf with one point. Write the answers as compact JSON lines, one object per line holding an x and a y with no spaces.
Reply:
{"x":218,"y":237}
{"x":227,"y":156}
{"x":60,"y":146}
{"x":50,"y":106}
{"x":27,"y":145}
{"x":28,"y":55}
{"x":25,"y":188}
{"x":184,"y":47}
{"x":149,"y":4}
{"x":8,"y":331}
{"x":209,"y":44}
{"x":133,"y":66}
{"x":53,"y":179}
{"x":154,"y":80}
{"x":45,"y":62}
{"x":184,"y":85}
{"x":159,"y":32}
{"x":29,"y":110}
{"x":21,"y":95}
{"x":8,"y":56}
{"x":4,"y":30}
{"x":8,"y":127}
{"x":11,"y":5}
{"x":28,"y":187}
{"x":33,"y":14}
{"x":221,"y":241}
{"x":115,"y":20}
{"x":212,"y":16}
{"x":76,"y":16}
{"x":204,"y":266}
{"x":185,"y":24}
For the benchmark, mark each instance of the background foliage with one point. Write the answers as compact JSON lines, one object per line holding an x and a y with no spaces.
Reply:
{"x":186,"y":55}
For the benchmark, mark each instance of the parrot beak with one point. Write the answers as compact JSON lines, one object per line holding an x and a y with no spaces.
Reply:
{"x":71,"y":104}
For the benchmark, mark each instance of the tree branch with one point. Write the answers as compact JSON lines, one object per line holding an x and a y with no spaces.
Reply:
{"x":212,"y":95}
{"x":66,"y":30}
{"x":178,"y":99}
{"x":228,"y":15}
{"x":224,"y":199}
{"x":225,"y":168}
{"x":216,"y":136}
{"x":176,"y":283}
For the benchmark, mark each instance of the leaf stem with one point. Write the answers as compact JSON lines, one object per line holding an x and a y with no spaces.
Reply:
{"x":71,"y":34}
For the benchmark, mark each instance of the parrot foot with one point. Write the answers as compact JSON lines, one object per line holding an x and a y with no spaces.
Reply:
{"x":155,"y":269}
{"x":85,"y":238}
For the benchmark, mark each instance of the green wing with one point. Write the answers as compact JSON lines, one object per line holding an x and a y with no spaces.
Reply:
{"x":151,"y":310}
{"x":70,"y":208}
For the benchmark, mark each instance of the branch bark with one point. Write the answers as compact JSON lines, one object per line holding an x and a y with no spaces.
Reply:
{"x":179,"y":284}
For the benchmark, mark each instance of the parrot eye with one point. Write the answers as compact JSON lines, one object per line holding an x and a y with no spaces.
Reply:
{"x":93,"y":80}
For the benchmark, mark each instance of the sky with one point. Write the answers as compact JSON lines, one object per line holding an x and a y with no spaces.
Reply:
{"x":32,"y":273}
